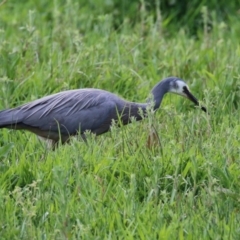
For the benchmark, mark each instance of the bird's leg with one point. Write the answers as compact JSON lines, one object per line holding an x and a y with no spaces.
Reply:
{"x":55,"y":143}
{"x":153,"y":138}
{"x":51,"y":144}
{"x":84,"y":138}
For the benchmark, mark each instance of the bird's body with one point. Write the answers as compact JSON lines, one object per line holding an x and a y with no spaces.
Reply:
{"x":70,"y":112}
{"x":61,"y":115}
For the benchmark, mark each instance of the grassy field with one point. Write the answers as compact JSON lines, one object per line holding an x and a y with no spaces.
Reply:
{"x":185,"y":187}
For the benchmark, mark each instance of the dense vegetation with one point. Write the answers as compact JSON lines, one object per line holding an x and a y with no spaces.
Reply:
{"x":186,"y":185}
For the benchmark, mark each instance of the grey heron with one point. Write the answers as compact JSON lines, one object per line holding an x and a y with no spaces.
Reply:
{"x":64,"y":114}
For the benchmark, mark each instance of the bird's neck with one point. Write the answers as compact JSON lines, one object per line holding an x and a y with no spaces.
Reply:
{"x":138,"y":110}
{"x":157,"y":93}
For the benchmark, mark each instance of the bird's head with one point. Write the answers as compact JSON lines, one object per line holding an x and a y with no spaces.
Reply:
{"x":178,"y":86}
{"x":173,"y":85}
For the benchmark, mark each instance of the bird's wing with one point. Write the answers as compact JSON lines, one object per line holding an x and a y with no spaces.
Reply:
{"x":72,"y":100}
{"x":69,"y":111}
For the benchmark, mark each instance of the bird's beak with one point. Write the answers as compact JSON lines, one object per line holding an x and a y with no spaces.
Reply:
{"x":192,"y":98}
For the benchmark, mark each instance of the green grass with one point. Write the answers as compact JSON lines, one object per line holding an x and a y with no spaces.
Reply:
{"x":187,"y":187}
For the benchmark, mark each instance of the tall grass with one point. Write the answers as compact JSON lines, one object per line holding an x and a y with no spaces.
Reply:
{"x":186,"y":186}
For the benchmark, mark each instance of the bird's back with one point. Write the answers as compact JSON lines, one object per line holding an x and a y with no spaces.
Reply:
{"x":65,"y":112}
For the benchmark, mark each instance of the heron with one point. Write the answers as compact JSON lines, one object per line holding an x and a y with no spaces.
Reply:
{"x":59,"y":116}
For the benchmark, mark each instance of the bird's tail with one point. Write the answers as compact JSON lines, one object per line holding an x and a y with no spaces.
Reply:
{"x":8,"y":118}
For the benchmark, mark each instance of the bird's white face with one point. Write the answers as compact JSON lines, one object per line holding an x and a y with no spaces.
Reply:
{"x":179,"y":87}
